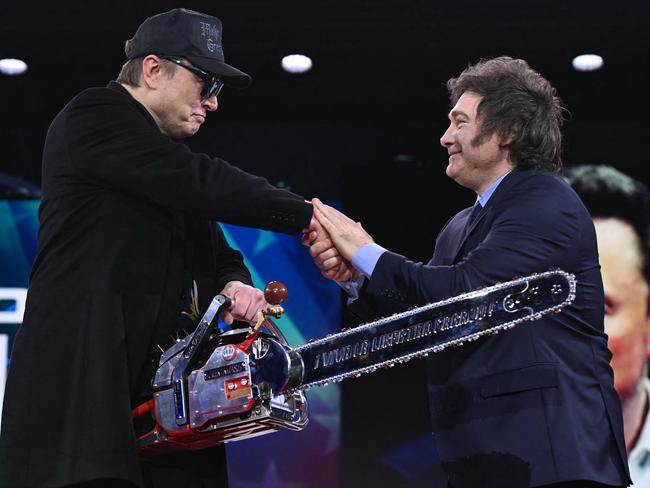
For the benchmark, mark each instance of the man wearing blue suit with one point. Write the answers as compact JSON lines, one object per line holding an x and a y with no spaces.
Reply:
{"x":534,"y":406}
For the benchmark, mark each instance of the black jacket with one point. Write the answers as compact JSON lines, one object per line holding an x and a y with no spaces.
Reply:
{"x":123,"y":231}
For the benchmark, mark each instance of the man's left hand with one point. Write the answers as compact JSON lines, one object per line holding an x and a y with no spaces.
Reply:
{"x":247,"y":301}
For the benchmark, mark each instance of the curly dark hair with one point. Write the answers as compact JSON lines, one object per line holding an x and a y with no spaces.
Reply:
{"x":606,"y":192}
{"x":519,"y":105}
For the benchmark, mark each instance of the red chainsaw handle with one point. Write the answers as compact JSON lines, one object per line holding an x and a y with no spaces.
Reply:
{"x":142,"y":409}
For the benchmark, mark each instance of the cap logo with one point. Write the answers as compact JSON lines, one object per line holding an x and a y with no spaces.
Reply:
{"x":210,"y":31}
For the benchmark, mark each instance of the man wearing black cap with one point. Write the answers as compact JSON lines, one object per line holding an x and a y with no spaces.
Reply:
{"x":126,"y":230}
{"x":155,"y":49}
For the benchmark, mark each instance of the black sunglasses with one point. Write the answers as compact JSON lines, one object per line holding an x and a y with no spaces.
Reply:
{"x":211,"y":84}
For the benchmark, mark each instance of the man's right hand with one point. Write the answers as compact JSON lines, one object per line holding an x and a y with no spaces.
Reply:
{"x":326,"y":256}
{"x":343,"y":233}
{"x":247,"y":301}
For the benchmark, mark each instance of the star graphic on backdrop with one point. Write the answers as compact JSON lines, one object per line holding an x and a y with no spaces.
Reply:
{"x":332,"y":422}
{"x":264,"y":240}
{"x":271,"y":479}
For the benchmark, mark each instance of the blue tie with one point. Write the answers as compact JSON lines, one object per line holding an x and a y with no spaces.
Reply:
{"x":475,"y":211}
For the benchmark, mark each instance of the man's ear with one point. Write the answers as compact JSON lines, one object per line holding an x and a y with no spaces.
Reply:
{"x":507,"y":138}
{"x":504,"y":143}
{"x":152,"y":70}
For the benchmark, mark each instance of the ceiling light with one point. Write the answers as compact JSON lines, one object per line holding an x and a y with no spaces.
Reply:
{"x":10,"y":66}
{"x":296,"y":63}
{"x":587,"y":62}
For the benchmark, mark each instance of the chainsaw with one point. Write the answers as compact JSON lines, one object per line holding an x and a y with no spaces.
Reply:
{"x":216,"y":386}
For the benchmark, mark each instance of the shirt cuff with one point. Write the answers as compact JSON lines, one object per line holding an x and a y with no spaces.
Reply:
{"x":366,"y":258}
{"x":352,"y":287}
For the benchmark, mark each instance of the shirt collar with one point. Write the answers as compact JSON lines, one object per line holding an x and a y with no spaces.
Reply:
{"x":483,"y":199}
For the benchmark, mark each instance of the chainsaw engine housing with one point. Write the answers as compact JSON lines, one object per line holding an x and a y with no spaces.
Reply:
{"x":237,"y":390}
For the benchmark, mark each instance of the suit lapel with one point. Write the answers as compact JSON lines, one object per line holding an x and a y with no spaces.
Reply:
{"x":504,"y":187}
{"x":466,"y":231}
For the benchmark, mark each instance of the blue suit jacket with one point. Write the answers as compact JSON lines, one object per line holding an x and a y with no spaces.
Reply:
{"x":535,"y":405}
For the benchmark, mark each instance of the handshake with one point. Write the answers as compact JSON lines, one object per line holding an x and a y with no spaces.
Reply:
{"x":333,"y":240}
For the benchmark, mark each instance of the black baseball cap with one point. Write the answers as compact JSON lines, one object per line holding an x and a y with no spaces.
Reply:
{"x":191,"y":35}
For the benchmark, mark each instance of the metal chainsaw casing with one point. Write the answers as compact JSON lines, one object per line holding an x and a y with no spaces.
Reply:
{"x":236,"y":393}
{"x":215,"y":386}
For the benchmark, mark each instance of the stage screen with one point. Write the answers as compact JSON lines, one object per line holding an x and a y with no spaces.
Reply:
{"x":18,"y":230}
